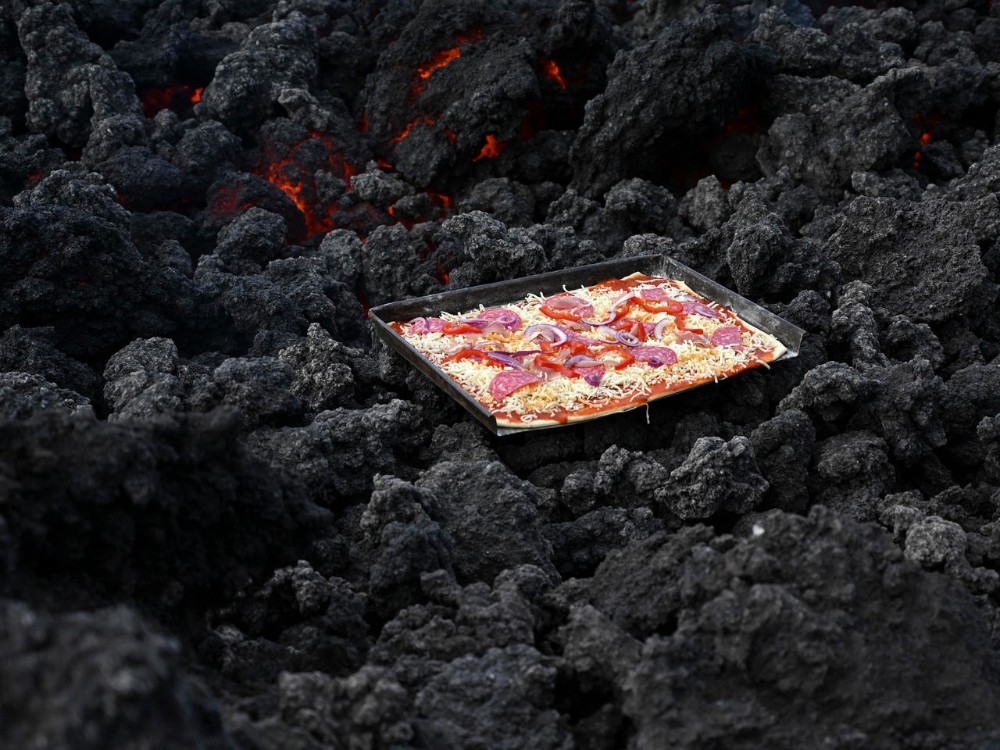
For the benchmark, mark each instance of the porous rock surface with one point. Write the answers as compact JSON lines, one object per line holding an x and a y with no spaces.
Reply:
{"x":231,"y":519}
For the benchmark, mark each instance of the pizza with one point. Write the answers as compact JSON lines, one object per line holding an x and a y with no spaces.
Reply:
{"x":591,"y":351}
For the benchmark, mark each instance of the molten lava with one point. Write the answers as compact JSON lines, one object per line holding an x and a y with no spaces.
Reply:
{"x":294,"y":174}
{"x":405,"y":132}
{"x":550,"y":70}
{"x":178,"y":98}
{"x":492,"y":148}
{"x":442,"y":59}
{"x":927,"y":127}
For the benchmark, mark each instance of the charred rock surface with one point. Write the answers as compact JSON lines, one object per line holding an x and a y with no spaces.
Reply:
{"x":230,"y":519}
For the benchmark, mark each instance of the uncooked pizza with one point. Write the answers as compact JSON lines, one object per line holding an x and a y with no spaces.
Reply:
{"x":590,"y":351}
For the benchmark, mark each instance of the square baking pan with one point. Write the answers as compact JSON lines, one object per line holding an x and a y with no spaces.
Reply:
{"x":508,"y":292}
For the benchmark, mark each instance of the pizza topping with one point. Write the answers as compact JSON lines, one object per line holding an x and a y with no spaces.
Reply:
{"x":624,"y":337}
{"x":655,"y":356}
{"x":509,"y":319}
{"x":548,"y":332}
{"x":426,"y":325}
{"x":505,"y":359}
{"x":545,"y":362}
{"x":699,"y":339}
{"x":727,"y":336}
{"x":463,"y":327}
{"x":508,"y":381}
{"x":486,"y":359}
{"x":592,"y":374}
{"x":625,"y":357}
{"x":697,"y":308}
{"x":681,"y":322}
{"x":567,"y":307}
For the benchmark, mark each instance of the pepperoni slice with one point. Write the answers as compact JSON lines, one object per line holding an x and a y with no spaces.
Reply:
{"x":655,"y":295}
{"x":508,"y":381}
{"x":655,"y":356}
{"x":727,"y":336}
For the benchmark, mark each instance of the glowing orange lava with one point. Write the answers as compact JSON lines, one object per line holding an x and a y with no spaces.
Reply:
{"x":294,"y":174}
{"x":492,"y":149}
{"x":927,"y":126}
{"x":442,"y":59}
{"x":405,"y":133}
{"x":177,"y":98}
{"x":551,"y":71}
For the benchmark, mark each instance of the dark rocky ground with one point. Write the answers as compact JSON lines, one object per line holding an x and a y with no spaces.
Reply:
{"x":228,"y":520}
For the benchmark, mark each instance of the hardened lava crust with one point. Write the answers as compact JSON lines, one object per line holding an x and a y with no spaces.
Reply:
{"x":230,"y":520}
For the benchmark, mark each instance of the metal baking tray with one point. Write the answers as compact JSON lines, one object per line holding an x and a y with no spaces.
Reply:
{"x":507,"y":292}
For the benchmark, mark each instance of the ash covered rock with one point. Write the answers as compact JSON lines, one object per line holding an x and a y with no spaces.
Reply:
{"x":127,"y":688}
{"x":162,"y":257}
{"x":684,"y":81}
{"x":342,"y":449}
{"x":717,"y":475}
{"x":23,"y":395}
{"x":922,"y":258}
{"x":275,"y":59}
{"x":298,"y":620}
{"x":506,"y":695}
{"x":699,"y":603}
{"x":162,"y":511}
{"x":82,"y":276}
{"x":828,"y":130}
{"x":70,"y":82}
{"x":492,"y":517}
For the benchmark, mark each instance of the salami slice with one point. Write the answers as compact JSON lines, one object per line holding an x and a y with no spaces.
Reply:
{"x":727,"y":336}
{"x":655,"y":295}
{"x":509,"y":381}
{"x":654,"y":356}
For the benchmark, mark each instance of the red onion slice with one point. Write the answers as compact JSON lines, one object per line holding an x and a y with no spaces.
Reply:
{"x":507,"y":318}
{"x":548,"y":332}
{"x":697,"y":308}
{"x":526,"y":353}
{"x":626,"y":338}
{"x":660,"y":328}
{"x":612,"y":317}
{"x":505,"y":359}
{"x":622,"y":300}
{"x":582,"y":360}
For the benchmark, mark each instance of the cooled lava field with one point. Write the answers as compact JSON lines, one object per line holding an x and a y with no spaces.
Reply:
{"x":232,"y":520}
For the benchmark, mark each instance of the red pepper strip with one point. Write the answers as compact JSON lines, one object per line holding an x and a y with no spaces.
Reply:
{"x":557,"y":314}
{"x":466,"y":353}
{"x":669,"y":306}
{"x":542,"y":360}
{"x":459,"y":328}
{"x":681,"y":320}
{"x":577,"y":347}
{"x":627,"y":357}
{"x":634,"y":327}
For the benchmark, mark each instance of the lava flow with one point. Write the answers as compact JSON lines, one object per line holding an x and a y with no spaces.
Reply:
{"x":178,"y":98}
{"x":294,"y":174}
{"x":491,"y":149}
{"x":442,"y":59}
